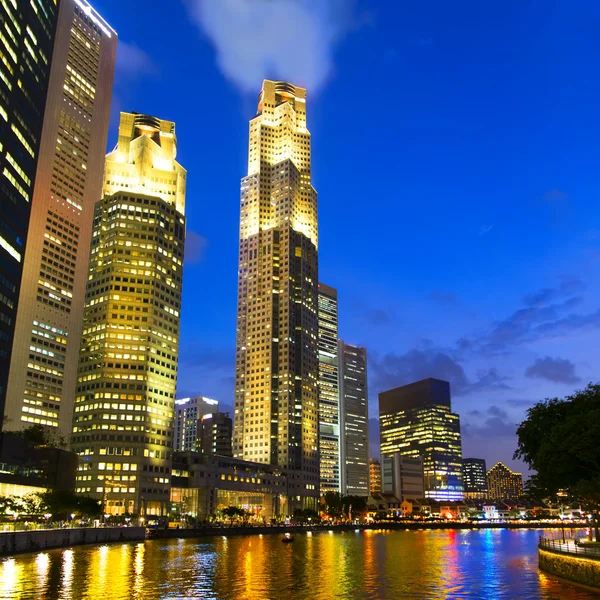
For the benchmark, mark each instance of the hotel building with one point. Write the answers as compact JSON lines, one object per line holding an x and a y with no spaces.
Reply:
{"x":504,"y":484}
{"x":188,"y":413}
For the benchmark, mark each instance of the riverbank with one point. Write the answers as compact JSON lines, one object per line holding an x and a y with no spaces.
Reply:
{"x":580,"y":569}
{"x":209,"y":531}
{"x":15,"y":542}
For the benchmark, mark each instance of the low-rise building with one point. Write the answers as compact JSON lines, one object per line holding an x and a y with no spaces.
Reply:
{"x":403,"y":476}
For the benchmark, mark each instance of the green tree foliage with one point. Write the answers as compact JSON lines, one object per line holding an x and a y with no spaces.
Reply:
{"x":38,"y":435}
{"x":232,"y":513}
{"x":338,"y":506}
{"x":560,"y":440}
{"x":60,"y":504}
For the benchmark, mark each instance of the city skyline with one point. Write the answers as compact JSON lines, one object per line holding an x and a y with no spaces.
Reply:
{"x":435,"y":308}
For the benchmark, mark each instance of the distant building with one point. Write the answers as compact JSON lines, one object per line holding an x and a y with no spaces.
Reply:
{"x":215,"y":434}
{"x":503,"y":483}
{"x":188,"y":412}
{"x":354,"y":401}
{"x":474,"y":478}
{"x":374,"y":476}
{"x":416,"y":420}
{"x":329,"y":391}
{"x":403,"y":476}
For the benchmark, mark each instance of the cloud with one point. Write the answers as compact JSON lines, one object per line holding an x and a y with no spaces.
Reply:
{"x":568,"y":286}
{"x":132,"y":61}
{"x":195,"y":246}
{"x":494,"y":423}
{"x":558,"y":370}
{"x":392,"y":371}
{"x":445,"y":298}
{"x":292,"y":40}
{"x":484,"y":230}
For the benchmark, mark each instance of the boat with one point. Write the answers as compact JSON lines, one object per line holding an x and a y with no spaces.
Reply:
{"x":287,"y":538}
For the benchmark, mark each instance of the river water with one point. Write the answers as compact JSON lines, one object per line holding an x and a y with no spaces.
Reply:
{"x":488,"y":564}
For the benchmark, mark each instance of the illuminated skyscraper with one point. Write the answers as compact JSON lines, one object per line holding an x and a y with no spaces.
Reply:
{"x":124,"y":409}
{"x":503,"y":483}
{"x":188,"y":413}
{"x":329,"y":390}
{"x":276,"y":417}
{"x":474,"y":478}
{"x":26,"y":42}
{"x":374,"y":476}
{"x":416,"y":420}
{"x":354,"y":419}
{"x":43,"y":369}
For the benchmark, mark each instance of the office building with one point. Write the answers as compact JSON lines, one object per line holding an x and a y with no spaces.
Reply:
{"x":374,"y":476}
{"x":474,"y":478}
{"x":124,"y":409}
{"x":215,"y":436}
{"x":354,"y":405}
{"x":329,"y":390}
{"x":188,"y":413}
{"x":276,"y":418}
{"x":43,"y":368}
{"x":416,"y":420}
{"x":403,"y":476}
{"x":28,"y":31}
{"x":504,"y":484}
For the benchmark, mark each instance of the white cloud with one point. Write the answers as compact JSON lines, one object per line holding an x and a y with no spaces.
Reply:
{"x":133,"y":61}
{"x":277,"y":39}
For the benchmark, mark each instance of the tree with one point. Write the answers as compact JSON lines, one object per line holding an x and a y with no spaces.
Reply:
{"x":62,"y":503}
{"x":333,"y":504}
{"x":560,"y":440}
{"x":39,"y":435}
{"x":233,"y":512}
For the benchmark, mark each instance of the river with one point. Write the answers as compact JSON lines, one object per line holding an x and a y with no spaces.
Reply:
{"x":487,"y":564}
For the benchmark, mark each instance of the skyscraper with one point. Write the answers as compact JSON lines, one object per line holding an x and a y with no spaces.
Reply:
{"x":276,"y":418}
{"x":329,"y":390}
{"x":416,"y":420}
{"x":215,"y":434}
{"x":374,"y":476}
{"x":503,"y":483}
{"x":28,"y":31}
{"x":188,"y":413}
{"x":123,"y":419}
{"x":474,"y":478}
{"x":354,"y":417}
{"x":43,"y":369}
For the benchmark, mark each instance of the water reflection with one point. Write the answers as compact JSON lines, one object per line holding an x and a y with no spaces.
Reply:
{"x":354,"y":565}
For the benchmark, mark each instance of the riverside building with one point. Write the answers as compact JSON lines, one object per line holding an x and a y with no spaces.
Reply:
{"x":416,"y":420}
{"x":503,"y":483}
{"x":188,"y":414}
{"x":68,"y":183}
{"x":474,"y":478}
{"x":276,"y":412}
{"x":124,"y":410}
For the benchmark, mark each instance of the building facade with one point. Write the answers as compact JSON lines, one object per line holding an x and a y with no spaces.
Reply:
{"x":276,"y":417}
{"x":188,"y":413}
{"x":43,"y":369}
{"x":416,"y":420}
{"x":124,"y":409}
{"x":329,"y":390}
{"x":474,"y":478}
{"x":216,"y":432}
{"x":503,"y":483}
{"x":354,"y":409}
{"x":374,"y":476}
{"x":403,"y":477}
{"x":26,"y":49}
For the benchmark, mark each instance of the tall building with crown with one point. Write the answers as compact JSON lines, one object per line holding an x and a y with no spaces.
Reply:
{"x":276,"y":418}
{"x":124,"y":409}
{"x":43,"y":369}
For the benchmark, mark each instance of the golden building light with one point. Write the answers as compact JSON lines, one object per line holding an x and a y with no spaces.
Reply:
{"x":124,"y":409}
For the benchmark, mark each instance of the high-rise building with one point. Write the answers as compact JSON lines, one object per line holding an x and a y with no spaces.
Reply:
{"x":216,"y":431}
{"x":276,"y":418}
{"x":329,"y":390}
{"x":403,"y":476}
{"x":354,"y":418}
{"x":188,"y":413}
{"x":474,"y":478}
{"x":28,"y":32}
{"x":43,"y":370}
{"x":374,"y":476}
{"x":124,"y":409}
{"x":416,"y":420}
{"x":503,"y":483}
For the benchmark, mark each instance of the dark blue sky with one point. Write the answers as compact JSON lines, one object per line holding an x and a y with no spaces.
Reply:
{"x":455,"y":152}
